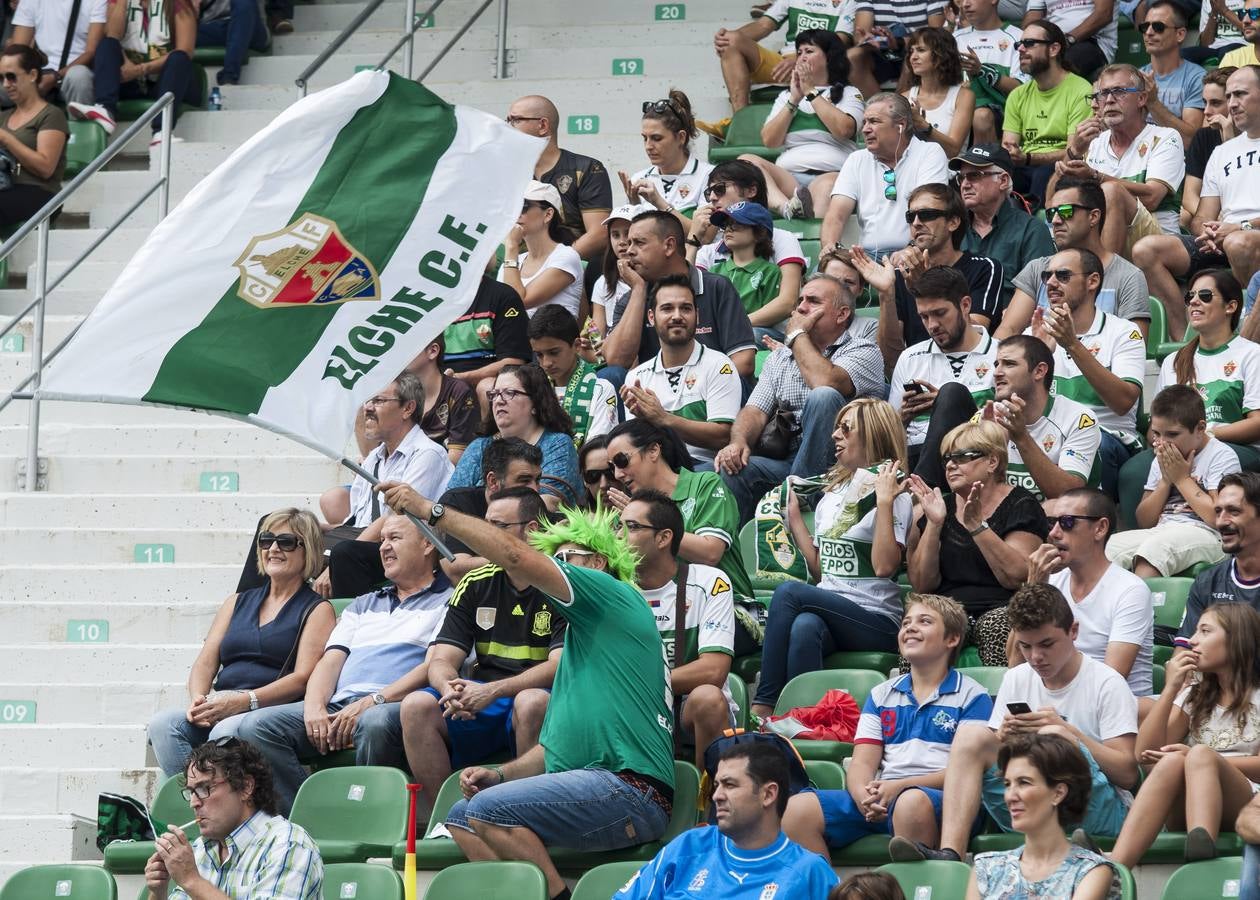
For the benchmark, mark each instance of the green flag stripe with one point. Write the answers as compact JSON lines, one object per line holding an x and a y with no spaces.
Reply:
{"x":240,"y":351}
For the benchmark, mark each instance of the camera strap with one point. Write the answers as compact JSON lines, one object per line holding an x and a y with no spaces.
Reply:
{"x":70,"y":27}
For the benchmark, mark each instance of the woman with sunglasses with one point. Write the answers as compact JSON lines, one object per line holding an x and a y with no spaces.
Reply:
{"x":815,"y":121}
{"x":523,"y":405}
{"x":852,"y":554}
{"x":597,"y":471}
{"x":974,"y":544}
{"x":675,"y":180}
{"x":549,"y":271}
{"x":262,"y":646}
{"x":942,"y":103}
{"x":33,"y":134}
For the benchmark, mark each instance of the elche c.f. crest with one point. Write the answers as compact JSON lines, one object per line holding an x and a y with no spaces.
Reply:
{"x":308,"y":263}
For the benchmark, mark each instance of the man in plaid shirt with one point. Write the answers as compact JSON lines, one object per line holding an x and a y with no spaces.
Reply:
{"x":245,"y":850}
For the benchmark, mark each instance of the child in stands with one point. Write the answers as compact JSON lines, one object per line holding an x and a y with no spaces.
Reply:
{"x":748,"y":232}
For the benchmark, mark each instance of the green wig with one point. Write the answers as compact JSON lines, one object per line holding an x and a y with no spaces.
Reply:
{"x":595,"y":530}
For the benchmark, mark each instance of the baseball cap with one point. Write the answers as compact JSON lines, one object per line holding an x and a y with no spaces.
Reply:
{"x":984,"y":155}
{"x":544,"y":193}
{"x":627,"y":212}
{"x":745,"y":212}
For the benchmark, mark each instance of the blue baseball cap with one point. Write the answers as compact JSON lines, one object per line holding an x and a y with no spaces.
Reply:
{"x":745,"y":212}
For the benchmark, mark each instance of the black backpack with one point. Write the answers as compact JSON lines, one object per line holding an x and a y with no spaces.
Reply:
{"x":798,"y":778}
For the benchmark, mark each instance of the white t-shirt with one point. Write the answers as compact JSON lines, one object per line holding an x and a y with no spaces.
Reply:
{"x":809,"y":146}
{"x":1067,"y":14}
{"x":927,"y":362}
{"x":995,"y":48}
{"x":845,"y":557}
{"x":1119,"y":346}
{"x":787,"y":249}
{"x":1069,"y":435}
{"x":1156,"y":154}
{"x":566,"y":259}
{"x":883,"y":221}
{"x":1216,"y":460}
{"x":1226,"y":34}
{"x":685,"y":190}
{"x":1233,"y":175}
{"x":802,"y":15}
{"x":709,"y":616}
{"x":609,"y":300}
{"x":706,"y":388}
{"x":1222,"y":731}
{"x":942,"y":117}
{"x":1097,"y":701}
{"x":1227,"y":378}
{"x":1119,"y":609}
{"x":50,"y":19}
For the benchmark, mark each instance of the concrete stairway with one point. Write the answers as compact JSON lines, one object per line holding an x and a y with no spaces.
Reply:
{"x":111,"y":573}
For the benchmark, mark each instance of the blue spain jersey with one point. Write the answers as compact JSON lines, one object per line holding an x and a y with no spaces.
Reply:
{"x":703,"y":862}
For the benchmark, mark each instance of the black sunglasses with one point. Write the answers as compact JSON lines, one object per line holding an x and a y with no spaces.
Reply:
{"x":9,"y":77}
{"x":1204,"y":295}
{"x":924,"y":215}
{"x":663,"y":106}
{"x":1157,"y":27}
{"x":1063,"y":276}
{"x":1067,"y":523}
{"x":958,"y":457}
{"x":592,"y":476}
{"x":1031,"y":42}
{"x":620,"y":460}
{"x":286,"y":542}
{"x":717,"y":189}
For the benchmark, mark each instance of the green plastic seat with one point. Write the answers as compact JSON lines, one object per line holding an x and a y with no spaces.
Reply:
{"x":812,"y":249}
{"x":825,"y":774}
{"x":873,"y":660}
{"x":808,"y":688}
{"x":129,"y":110}
{"x":931,"y":879}
{"x":739,"y":693}
{"x":990,"y":677}
{"x":500,"y":880}
{"x":79,"y":882}
{"x":1128,"y":885}
{"x":212,"y":56}
{"x":1129,"y":45}
{"x":339,"y":606}
{"x":1205,"y":880}
{"x":602,"y":882}
{"x":759,"y":362}
{"x":1168,"y":846}
{"x":744,"y":136}
{"x":808,"y":229}
{"x":87,"y":141}
{"x":868,"y":312}
{"x":1169,"y":596}
{"x":871,"y":850}
{"x":361,"y":881}
{"x":1157,"y":678}
{"x":169,"y":808}
{"x":747,"y":668}
{"x":353,"y":813}
{"x":969,"y":658}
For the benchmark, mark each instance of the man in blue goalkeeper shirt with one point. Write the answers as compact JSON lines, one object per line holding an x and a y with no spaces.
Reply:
{"x":747,"y":855}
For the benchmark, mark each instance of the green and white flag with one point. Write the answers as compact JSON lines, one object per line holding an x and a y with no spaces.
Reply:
{"x":306,"y":271}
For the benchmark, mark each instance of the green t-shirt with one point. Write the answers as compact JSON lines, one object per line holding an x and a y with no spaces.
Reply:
{"x":708,"y":508}
{"x":757,"y":282}
{"x":611,"y":704}
{"x":1044,"y":120}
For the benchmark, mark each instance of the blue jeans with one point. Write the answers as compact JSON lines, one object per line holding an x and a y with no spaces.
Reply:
{"x":1250,"y":887}
{"x":1104,"y":815}
{"x":815,"y":454}
{"x":588,"y":810}
{"x":806,"y":623}
{"x":280,"y":733}
{"x":176,"y":77}
{"x":242,"y":29}
{"x":173,"y":737}
{"x":1112,"y":454}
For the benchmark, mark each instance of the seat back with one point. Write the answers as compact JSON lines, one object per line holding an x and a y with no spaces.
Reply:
{"x":1169,"y":596}
{"x":1128,"y":884}
{"x":361,"y":881}
{"x":1158,"y":333}
{"x":1209,"y":880}
{"x":739,"y":693}
{"x":87,"y":141}
{"x":686,"y":798}
{"x":931,"y":879}
{"x":825,"y":774}
{"x":361,"y":803}
{"x":79,"y":882}
{"x":743,"y":135}
{"x":807,"y":689}
{"x":990,"y":677}
{"x":605,"y":881}
{"x":170,"y":807}
{"x":501,"y":880}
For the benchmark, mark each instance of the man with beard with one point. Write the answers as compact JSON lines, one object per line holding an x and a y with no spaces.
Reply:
{"x":688,"y":387}
{"x":1237,"y":579}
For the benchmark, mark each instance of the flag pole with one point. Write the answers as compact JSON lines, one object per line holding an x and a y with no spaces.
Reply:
{"x":425,"y":528}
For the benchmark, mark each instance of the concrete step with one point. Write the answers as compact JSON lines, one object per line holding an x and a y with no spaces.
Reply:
{"x":74,"y":304}
{"x":121,"y":429}
{"x":119,"y":545}
{"x":183,"y":474}
{"x":453,"y":13}
{"x":72,"y":791}
{"x":206,"y":510}
{"x":62,"y":620}
{"x":43,"y":839}
{"x":107,"y":703}
{"x":71,"y":746}
{"x":88,"y":664}
{"x":110,"y":583}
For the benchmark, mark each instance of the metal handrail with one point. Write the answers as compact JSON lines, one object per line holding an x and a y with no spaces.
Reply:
{"x":318,"y":62}
{"x":40,"y":223}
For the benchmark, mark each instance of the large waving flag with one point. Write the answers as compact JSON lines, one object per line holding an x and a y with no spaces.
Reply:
{"x":305,"y":272}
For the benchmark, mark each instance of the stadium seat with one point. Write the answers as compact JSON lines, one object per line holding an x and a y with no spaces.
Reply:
{"x":353,"y":813}
{"x":339,"y":606}
{"x":1205,"y":880}
{"x":169,"y":808}
{"x":930,"y":878}
{"x":825,"y":774}
{"x":87,"y":141}
{"x":489,"y":881}
{"x":871,"y":850}
{"x":1128,"y":885}
{"x":1130,"y":48}
{"x":990,"y":677}
{"x":739,"y":693}
{"x":1169,"y":596}
{"x":808,"y":688}
{"x":759,"y":362}
{"x":744,"y":136}
{"x":1168,"y":847}
{"x":79,"y":882}
{"x":129,"y":110}
{"x":602,"y":882}
{"x":1157,"y":679}
{"x":812,"y":248}
{"x":1158,"y":342}
{"x":362,"y":881}
{"x":874,"y":660}
{"x":807,"y":229}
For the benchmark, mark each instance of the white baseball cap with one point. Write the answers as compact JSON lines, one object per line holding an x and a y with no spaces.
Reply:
{"x":627,"y":212}
{"x":544,"y":193}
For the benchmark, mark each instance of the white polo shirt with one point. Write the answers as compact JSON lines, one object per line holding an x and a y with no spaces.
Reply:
{"x":682,"y":191}
{"x":1119,"y":346}
{"x":883,"y":221}
{"x":706,"y":388}
{"x":927,"y":362}
{"x":1156,"y":154}
{"x":1068,"y":434}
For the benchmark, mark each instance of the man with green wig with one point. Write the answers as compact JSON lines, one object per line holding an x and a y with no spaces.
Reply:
{"x":602,"y":777}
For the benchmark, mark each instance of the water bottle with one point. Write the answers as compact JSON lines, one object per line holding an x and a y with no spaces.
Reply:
{"x":216,"y":99}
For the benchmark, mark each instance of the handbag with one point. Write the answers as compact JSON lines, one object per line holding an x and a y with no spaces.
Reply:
{"x":777,"y":436}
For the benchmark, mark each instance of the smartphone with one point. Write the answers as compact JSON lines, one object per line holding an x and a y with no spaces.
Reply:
{"x":914,"y":387}
{"x":1018,"y":709}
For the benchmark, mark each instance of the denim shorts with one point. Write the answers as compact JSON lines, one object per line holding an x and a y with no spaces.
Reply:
{"x":587,"y":810}
{"x":1108,"y":805}
{"x":844,"y":822}
{"x":482,"y":736}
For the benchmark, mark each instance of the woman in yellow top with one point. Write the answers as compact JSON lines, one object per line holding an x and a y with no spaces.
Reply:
{"x":32,"y":137}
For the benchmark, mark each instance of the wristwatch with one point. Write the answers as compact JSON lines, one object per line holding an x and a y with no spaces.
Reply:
{"x":983,"y":526}
{"x":436,"y":513}
{"x":378,"y":699}
{"x":812,"y":96}
{"x":1246,"y":225}
{"x":792,"y":336}
{"x":253,"y":701}
{"x":511,"y":264}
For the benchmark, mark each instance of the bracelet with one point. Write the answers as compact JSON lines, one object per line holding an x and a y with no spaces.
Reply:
{"x":695,"y":241}
{"x":983,"y":526}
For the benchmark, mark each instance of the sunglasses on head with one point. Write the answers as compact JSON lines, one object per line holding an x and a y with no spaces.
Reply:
{"x":1067,"y":523}
{"x":286,"y":542}
{"x":1157,"y":27}
{"x":924,"y":215}
{"x":890,"y":185}
{"x":958,"y":457}
{"x":662,"y":106}
{"x":1063,"y":276}
{"x":1202,"y":294}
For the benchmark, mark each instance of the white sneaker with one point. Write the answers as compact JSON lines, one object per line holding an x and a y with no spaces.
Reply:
{"x":94,"y":113}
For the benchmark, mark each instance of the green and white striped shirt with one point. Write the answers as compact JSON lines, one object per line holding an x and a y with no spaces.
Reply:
{"x":267,"y":856}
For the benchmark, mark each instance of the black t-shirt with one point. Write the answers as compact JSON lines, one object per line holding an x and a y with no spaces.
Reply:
{"x":965,"y":573}
{"x":471,"y":501}
{"x":1219,"y":584}
{"x":721,"y":323}
{"x":495,"y":327}
{"x":511,"y":630}
{"x":583,"y":184}
{"x":1205,"y":140}
{"x":984,"y":278}
{"x":452,"y":422}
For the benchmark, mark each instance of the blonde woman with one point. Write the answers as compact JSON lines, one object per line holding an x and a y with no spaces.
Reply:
{"x":859,"y":537}
{"x":262,"y":645}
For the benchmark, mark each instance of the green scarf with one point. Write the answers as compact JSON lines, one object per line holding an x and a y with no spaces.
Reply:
{"x":578,"y":394}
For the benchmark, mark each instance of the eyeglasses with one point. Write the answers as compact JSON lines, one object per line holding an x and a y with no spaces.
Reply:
{"x":381,"y":401}
{"x":1203,"y":294}
{"x":662,"y":106}
{"x":976,"y":175}
{"x":592,"y":476}
{"x":924,"y":215}
{"x":1067,"y":523}
{"x":1064,"y":211}
{"x":563,"y":555}
{"x":201,"y":791}
{"x":506,"y":525}
{"x":1063,"y":276}
{"x":512,"y":120}
{"x":621,"y":460}
{"x":1157,"y":27}
{"x":890,"y":185}
{"x":507,"y":395}
{"x":635,"y":527}
{"x":286,"y":542}
{"x":717,"y":189}
{"x":1251,"y":13}
{"x":1112,"y":93}
{"x":958,"y":457}
{"x":1029,"y":43}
